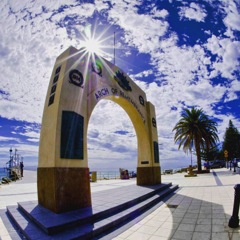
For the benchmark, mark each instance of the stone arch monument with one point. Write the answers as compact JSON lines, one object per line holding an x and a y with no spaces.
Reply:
{"x":78,"y":82}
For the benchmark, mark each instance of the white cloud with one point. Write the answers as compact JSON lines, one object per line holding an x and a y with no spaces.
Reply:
{"x":36,"y":140}
{"x":28,"y":152}
{"x":105,"y":141}
{"x":232,"y":19}
{"x":193,"y":12}
{"x":230,"y":96}
{"x":145,"y":73}
{"x":235,"y":86}
{"x":34,"y":136}
{"x":159,"y":13}
{"x":31,"y":131}
{"x":78,"y":12}
{"x":202,"y":93}
{"x":228,"y":52}
{"x":6,"y":139}
{"x":181,"y":66}
{"x":145,"y":37}
{"x":20,"y":110}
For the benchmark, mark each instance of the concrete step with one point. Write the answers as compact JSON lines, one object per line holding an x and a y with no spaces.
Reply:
{"x":36,"y":222}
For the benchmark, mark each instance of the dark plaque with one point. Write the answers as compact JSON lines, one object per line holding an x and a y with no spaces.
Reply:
{"x":72,"y":135}
{"x":51,"y":100}
{"x":53,"y":89}
{"x":58,"y":70}
{"x":156,"y":152}
{"x":141,"y":100}
{"x":55,"y":79}
{"x":154,"y":123}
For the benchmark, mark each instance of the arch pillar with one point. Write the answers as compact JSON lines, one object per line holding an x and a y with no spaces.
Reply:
{"x":150,"y":174}
{"x":78,"y":82}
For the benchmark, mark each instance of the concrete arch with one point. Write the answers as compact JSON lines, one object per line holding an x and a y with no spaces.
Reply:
{"x":143,"y":144}
{"x":78,"y":82}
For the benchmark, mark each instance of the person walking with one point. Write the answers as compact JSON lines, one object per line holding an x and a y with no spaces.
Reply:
{"x":21,"y":168}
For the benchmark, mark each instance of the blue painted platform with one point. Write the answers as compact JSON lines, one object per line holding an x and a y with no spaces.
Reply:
{"x":111,"y":209}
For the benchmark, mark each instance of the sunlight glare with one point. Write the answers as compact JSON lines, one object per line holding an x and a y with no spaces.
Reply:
{"x":92,"y":46}
{"x":96,"y":44}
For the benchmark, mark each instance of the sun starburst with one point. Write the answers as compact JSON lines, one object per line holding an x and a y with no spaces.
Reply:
{"x":96,"y":43}
{"x":92,"y":45}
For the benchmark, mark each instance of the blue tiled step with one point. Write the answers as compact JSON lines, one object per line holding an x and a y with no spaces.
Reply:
{"x":105,"y":203}
{"x":36,"y":222}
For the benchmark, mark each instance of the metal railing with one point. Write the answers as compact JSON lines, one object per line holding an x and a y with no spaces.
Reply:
{"x":101,"y":175}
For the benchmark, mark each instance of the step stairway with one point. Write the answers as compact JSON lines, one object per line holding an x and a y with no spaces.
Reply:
{"x":110,"y":210}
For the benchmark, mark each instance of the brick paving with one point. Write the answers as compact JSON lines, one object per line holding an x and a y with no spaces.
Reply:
{"x":200,"y":209}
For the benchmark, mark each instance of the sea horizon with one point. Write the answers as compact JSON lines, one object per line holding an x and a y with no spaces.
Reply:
{"x":99,"y":170}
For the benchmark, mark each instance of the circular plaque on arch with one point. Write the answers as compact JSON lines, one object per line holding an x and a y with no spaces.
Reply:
{"x":76,"y":77}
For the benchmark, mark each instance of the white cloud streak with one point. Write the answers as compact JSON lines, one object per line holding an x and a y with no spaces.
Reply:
{"x":193,"y":12}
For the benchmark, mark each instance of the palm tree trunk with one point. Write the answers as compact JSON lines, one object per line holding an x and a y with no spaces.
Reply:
{"x":199,"y":162}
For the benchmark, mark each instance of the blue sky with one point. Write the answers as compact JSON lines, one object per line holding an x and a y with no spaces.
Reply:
{"x":181,"y":53}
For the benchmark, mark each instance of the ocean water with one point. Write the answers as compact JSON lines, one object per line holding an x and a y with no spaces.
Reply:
{"x":3,"y":172}
{"x":103,"y":173}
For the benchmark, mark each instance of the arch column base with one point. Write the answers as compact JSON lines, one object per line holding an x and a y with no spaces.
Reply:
{"x":148,"y":175}
{"x":63,"y":189}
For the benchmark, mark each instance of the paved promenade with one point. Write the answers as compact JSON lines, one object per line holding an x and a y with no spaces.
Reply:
{"x":200,"y":209}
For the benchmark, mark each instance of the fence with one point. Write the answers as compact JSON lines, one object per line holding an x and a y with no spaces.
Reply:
{"x":101,"y":175}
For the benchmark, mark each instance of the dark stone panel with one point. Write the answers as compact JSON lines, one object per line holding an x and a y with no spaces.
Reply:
{"x":148,"y":175}
{"x":51,"y":100}
{"x":156,"y":152}
{"x":72,"y":135}
{"x":64,"y":189}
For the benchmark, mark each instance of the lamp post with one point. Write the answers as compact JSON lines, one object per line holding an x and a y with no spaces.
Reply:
{"x":10,"y":151}
{"x":234,"y":220}
{"x":10,"y":161}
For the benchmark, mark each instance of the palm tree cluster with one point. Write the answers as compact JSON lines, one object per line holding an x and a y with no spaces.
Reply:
{"x":195,"y":129}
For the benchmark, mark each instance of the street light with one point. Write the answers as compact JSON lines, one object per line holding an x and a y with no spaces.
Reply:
{"x":10,"y":151}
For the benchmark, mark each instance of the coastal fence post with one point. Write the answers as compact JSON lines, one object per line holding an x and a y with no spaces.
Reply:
{"x":234,"y":220}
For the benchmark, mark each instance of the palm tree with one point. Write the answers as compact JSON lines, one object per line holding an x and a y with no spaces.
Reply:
{"x":195,"y":128}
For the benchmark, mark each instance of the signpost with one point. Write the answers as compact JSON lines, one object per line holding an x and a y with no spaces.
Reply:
{"x":226,"y":156}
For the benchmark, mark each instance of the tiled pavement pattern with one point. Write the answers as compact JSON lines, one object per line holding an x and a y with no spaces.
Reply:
{"x":200,"y":209}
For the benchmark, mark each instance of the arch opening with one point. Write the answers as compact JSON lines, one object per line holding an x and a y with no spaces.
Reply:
{"x":112,"y":141}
